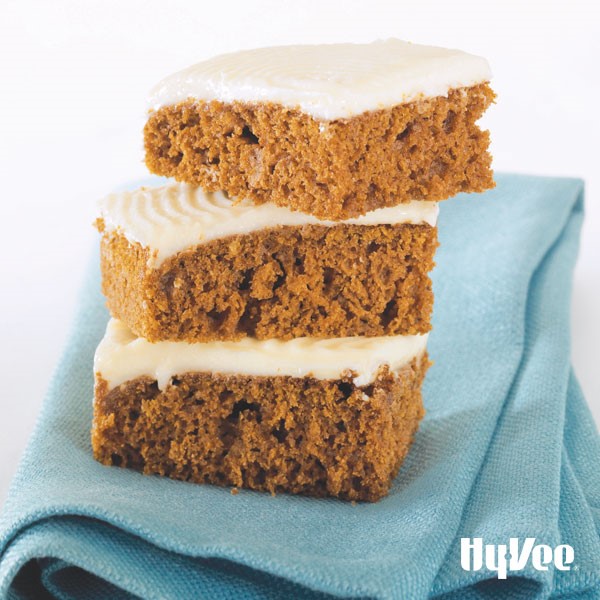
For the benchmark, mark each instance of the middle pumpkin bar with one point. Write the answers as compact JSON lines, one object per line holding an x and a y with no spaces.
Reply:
{"x":179,"y":263}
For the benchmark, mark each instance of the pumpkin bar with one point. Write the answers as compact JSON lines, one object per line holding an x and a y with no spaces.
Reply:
{"x":331,"y":417}
{"x":182,"y":264}
{"x":332,"y":130}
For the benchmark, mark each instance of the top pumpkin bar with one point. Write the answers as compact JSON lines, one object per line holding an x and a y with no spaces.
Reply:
{"x":332,"y":130}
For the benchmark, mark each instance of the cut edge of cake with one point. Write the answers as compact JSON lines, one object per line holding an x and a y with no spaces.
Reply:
{"x":340,"y":428}
{"x":282,"y":128}
{"x":181,"y":264}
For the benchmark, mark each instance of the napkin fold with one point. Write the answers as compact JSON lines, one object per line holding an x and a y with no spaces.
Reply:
{"x":508,"y":449}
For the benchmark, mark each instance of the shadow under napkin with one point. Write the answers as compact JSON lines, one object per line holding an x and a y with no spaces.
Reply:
{"x":495,"y":456}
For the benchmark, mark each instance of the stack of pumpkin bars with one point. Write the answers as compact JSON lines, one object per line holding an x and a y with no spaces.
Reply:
{"x":271,"y":307}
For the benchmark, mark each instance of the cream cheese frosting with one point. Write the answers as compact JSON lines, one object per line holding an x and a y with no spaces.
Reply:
{"x":328,"y":81}
{"x":121,"y":357}
{"x":178,"y":216}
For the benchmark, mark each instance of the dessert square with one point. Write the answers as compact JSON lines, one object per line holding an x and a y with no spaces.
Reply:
{"x":329,"y":417}
{"x":182,"y":264}
{"x":332,"y":130}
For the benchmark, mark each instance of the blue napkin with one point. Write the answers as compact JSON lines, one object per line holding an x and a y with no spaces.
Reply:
{"x":507,"y":449}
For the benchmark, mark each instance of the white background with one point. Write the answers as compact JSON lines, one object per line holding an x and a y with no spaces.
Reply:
{"x":73,"y":80}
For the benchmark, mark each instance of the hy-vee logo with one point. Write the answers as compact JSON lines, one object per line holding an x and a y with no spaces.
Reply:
{"x":473,"y":555}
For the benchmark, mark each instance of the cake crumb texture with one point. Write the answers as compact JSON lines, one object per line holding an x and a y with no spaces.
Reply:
{"x":429,"y":149}
{"x":275,"y":434}
{"x":287,"y":282}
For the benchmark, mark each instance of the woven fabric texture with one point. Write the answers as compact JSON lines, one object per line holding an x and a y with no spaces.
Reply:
{"x":507,"y":449}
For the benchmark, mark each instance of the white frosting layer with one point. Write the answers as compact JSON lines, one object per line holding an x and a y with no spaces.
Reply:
{"x":121,"y":356}
{"x":330,"y":81}
{"x":177,"y":216}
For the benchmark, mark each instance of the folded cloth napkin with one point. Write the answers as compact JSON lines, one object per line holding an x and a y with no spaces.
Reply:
{"x":508,"y":449}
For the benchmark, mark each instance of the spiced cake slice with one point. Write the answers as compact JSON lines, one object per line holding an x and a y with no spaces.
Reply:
{"x":327,"y":417}
{"x":182,"y":264}
{"x":333,"y":130}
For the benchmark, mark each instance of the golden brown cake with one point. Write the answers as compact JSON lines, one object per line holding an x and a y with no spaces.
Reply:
{"x":271,"y":307}
{"x":336,"y":420}
{"x":265,"y":272}
{"x":333,"y":130}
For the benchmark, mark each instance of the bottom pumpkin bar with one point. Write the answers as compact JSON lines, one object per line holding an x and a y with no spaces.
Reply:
{"x":319,"y":417}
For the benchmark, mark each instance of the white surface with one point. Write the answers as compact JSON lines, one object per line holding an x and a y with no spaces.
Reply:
{"x":317,"y":77}
{"x":174,"y":217}
{"x":75,"y":76}
{"x":121,"y":356}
